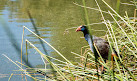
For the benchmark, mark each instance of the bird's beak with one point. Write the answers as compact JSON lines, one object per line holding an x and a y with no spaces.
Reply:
{"x":78,"y":29}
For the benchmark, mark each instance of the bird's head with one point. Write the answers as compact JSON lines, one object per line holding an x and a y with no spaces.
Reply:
{"x":81,"y":28}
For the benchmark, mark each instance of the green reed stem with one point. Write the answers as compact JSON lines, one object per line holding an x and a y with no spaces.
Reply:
{"x":117,"y":7}
{"x":26,"y":52}
{"x":49,"y":45}
{"x":52,"y":64}
{"x":22,"y":49}
{"x":90,"y":33}
{"x":21,"y":68}
{"x":10,"y":77}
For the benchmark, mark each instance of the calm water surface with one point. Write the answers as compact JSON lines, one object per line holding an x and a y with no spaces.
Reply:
{"x":51,"y":17}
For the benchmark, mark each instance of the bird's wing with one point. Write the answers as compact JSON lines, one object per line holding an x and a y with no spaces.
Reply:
{"x":102,"y":46}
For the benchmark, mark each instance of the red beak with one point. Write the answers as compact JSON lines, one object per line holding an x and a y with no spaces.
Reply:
{"x":78,"y":29}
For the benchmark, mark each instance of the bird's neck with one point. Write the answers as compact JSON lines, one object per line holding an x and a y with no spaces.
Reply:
{"x":88,"y":39}
{"x":85,"y":32}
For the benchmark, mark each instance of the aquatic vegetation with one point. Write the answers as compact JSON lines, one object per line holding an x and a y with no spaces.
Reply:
{"x":121,"y":34}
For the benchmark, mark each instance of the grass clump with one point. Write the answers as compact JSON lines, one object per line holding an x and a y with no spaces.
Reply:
{"x":121,"y":34}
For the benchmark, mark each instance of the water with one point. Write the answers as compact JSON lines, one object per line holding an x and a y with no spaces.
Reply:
{"x":51,"y":17}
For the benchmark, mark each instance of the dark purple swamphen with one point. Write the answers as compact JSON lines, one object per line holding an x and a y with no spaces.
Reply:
{"x":101,"y":44}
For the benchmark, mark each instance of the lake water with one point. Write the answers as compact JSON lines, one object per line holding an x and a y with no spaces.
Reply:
{"x":51,"y":18}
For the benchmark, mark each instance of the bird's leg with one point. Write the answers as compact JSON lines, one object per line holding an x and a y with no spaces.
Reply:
{"x":102,"y":68}
{"x":112,"y":57}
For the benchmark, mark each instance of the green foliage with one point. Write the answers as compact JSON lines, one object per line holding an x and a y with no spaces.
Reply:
{"x":121,"y":35}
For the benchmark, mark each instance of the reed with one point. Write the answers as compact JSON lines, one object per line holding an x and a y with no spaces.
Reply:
{"x":120,"y":35}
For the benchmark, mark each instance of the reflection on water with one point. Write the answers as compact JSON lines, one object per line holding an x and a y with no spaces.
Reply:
{"x":52,"y":18}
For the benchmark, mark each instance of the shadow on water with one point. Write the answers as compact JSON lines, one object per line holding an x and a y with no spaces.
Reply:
{"x":13,"y":41}
{"x":41,"y":42}
{"x":57,"y":16}
{"x":16,"y":46}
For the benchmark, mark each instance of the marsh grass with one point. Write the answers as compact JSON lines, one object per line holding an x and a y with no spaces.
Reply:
{"x":121,"y":34}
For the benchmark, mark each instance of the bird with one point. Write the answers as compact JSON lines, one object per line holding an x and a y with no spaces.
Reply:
{"x":101,"y":44}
